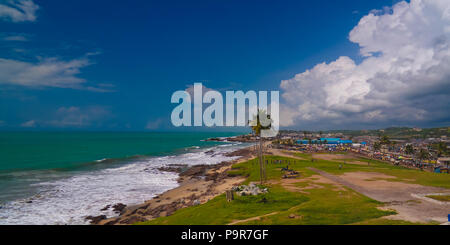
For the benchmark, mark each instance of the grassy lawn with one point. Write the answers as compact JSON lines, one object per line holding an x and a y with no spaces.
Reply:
{"x":403,"y":174}
{"x":218,"y":211}
{"x":321,"y":204}
{"x":442,"y":198}
{"x":250,"y":169}
{"x":327,"y":207}
{"x":383,"y":221}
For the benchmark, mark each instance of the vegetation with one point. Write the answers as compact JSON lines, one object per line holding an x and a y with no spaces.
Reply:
{"x":377,"y":146}
{"x":409,"y":149}
{"x":218,"y":211}
{"x":327,"y":206}
{"x":403,"y":174}
{"x":423,"y":154}
{"x":324,"y":205}
{"x":441,"y":148}
{"x":319,"y":203}
{"x":383,"y":221}
{"x":261,"y":121}
{"x":442,"y":198}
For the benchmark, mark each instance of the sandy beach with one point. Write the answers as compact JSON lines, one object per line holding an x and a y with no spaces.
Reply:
{"x":197,"y":185}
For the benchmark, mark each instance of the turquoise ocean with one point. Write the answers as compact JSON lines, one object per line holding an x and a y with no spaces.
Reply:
{"x":62,"y":177}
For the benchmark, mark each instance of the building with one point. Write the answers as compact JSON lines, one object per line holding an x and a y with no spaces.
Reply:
{"x":326,"y":141}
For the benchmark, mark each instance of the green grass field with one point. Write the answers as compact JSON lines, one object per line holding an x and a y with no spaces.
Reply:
{"x":403,"y":174}
{"x":322,"y":205}
{"x":442,"y":198}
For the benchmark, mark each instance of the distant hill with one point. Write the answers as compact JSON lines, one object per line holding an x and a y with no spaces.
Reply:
{"x":393,"y":132}
{"x":399,"y":132}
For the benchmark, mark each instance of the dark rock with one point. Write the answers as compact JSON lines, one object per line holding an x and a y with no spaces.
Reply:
{"x":119,"y":207}
{"x":96,"y":219}
{"x":212,"y":176}
{"x":132,"y":219}
{"x":214,"y":139}
{"x":176,"y":168}
{"x":196,"y":171}
{"x":112,"y":222}
{"x":105,"y":208}
{"x":240,"y":152}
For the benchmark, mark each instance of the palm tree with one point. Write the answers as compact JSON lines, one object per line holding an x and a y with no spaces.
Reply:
{"x":377,"y":146}
{"x":257,"y":127}
{"x":393,"y":144}
{"x":384,"y":140}
{"x":304,"y":134}
{"x":409,"y":149}
{"x":441,"y":148}
{"x":423,"y":154}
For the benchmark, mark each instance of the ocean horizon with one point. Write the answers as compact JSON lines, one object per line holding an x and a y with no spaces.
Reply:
{"x":62,"y":177}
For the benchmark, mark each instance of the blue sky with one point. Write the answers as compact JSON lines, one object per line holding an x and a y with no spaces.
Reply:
{"x":113,"y":65}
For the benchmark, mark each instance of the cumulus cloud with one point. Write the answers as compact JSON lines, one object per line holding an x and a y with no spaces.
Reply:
{"x":18,"y":38}
{"x":73,"y":116}
{"x":404,"y":77}
{"x":18,"y":10}
{"x":155,"y":124}
{"x":48,"y":72}
{"x":28,"y":124}
{"x":190,"y":90}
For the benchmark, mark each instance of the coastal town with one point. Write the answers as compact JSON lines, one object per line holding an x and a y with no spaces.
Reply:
{"x":414,"y":151}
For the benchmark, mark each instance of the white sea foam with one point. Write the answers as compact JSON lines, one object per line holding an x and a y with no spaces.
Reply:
{"x":69,"y":200}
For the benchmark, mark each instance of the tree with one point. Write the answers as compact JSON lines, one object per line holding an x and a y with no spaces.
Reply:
{"x":384,"y":140}
{"x":377,"y":146}
{"x":257,"y":127}
{"x":441,"y":149}
{"x":393,"y":144}
{"x":423,"y":154}
{"x":409,"y":149}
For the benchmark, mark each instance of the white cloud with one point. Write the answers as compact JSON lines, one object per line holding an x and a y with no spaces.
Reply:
{"x":79,"y":117}
{"x":18,"y":38}
{"x":49,"y":72}
{"x":72,"y":117}
{"x":404,"y":77}
{"x":29,"y":124}
{"x":155,"y":124}
{"x":190,"y":90}
{"x":18,"y":10}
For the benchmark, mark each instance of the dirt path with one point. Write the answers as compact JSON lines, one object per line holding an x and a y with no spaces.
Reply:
{"x":402,"y":197}
{"x":331,"y":157}
{"x":282,"y":153}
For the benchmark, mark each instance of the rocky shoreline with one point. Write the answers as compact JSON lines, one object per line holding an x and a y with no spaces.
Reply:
{"x":197,"y":185}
